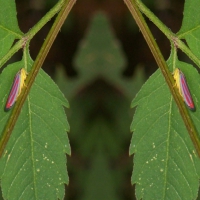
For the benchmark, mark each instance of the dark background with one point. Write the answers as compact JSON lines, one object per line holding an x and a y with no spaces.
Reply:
{"x":100,"y":114}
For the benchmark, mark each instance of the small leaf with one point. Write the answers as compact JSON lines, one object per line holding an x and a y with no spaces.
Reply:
{"x":9,"y":30}
{"x":100,"y":51}
{"x":100,"y":56}
{"x":166,"y":165}
{"x":34,"y":164}
{"x":190,"y":29}
{"x":100,"y":183}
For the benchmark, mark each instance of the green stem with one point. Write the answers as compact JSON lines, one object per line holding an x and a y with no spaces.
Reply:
{"x":132,"y":6}
{"x":68,"y":4}
{"x":168,"y":33}
{"x":181,"y":45}
{"x":155,"y":20}
{"x":29,"y":35}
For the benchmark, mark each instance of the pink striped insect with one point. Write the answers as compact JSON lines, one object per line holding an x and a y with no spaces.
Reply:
{"x":182,"y":86}
{"x":17,"y":86}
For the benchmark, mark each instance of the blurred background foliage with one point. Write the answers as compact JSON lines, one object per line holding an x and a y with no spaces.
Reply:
{"x":99,"y":60}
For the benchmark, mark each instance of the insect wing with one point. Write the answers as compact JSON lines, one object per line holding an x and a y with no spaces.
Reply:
{"x":185,"y":92}
{"x":14,"y":92}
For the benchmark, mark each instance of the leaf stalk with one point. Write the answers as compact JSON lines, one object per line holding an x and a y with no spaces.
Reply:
{"x":67,"y":6}
{"x":134,"y":9}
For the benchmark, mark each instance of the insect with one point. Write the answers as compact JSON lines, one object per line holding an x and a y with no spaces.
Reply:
{"x":182,"y":86}
{"x":17,"y":86}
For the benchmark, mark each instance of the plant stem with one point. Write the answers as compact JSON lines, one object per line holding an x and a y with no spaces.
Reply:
{"x":132,"y":6}
{"x":32,"y":32}
{"x":168,"y":33}
{"x":68,"y":4}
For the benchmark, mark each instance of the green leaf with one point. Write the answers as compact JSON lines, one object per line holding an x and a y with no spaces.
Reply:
{"x":190,"y":29}
{"x":166,"y":165}
{"x":34,"y":162}
{"x":100,"y":183}
{"x":9,"y":30}
{"x":99,"y":58}
{"x":101,"y":88}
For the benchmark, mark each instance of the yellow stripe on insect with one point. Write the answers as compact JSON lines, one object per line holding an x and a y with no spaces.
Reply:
{"x":17,"y":86}
{"x":183,"y":88}
{"x":176,"y":75}
{"x":23,"y":75}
